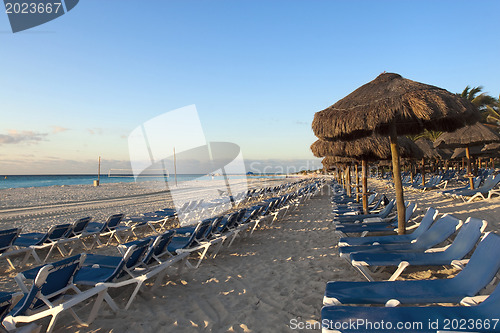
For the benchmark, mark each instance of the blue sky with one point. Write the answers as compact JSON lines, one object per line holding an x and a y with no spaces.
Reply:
{"x":257,"y":71}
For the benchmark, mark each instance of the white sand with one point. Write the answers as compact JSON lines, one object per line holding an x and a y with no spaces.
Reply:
{"x":267,"y":282}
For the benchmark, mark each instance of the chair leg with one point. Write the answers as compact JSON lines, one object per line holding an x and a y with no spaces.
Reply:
{"x":401,"y":267}
{"x":362,"y":269}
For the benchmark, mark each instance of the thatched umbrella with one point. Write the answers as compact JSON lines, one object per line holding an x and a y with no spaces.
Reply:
{"x":366,"y":149}
{"x":391,"y":105}
{"x":474,"y":135}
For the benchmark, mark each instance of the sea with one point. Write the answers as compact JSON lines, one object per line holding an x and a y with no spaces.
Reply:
{"x":17,"y":181}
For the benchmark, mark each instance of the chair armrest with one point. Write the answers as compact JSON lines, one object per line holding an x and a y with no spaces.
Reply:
{"x":474,"y":300}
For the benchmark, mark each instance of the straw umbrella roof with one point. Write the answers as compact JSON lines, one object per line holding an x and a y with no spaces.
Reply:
{"x":428,"y":148}
{"x":467,"y":136}
{"x":375,"y":106}
{"x":370,"y":148}
{"x":492,"y":149}
{"x":473,"y":151}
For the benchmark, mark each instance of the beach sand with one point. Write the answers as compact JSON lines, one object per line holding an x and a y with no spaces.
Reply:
{"x":272,"y":281}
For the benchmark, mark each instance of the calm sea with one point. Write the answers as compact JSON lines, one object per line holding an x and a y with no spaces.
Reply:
{"x":15,"y":181}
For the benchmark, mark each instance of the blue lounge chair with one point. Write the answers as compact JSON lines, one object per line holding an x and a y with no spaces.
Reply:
{"x":485,"y":191}
{"x":427,"y":319}
{"x":438,"y":233}
{"x":424,"y":225}
{"x":109,"y":229}
{"x":7,"y":248}
{"x":384,"y":213}
{"x":479,"y":271}
{"x":186,"y":241}
{"x":375,"y":224}
{"x":47,"y":295}
{"x":462,"y":244}
{"x":37,"y":241}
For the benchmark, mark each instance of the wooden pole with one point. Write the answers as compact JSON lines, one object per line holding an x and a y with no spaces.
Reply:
{"x":469,"y":169}
{"x":357,"y":182}
{"x":348,"y":180}
{"x":423,"y":171}
{"x":364,"y":171}
{"x":99,"y":170}
{"x":398,"y":186}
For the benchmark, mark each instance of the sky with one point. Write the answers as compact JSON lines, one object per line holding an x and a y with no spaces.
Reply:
{"x":76,"y":87}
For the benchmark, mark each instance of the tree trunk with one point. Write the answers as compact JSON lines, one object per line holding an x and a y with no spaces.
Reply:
{"x":469,"y":169}
{"x":398,"y":186}
{"x":364,"y":171}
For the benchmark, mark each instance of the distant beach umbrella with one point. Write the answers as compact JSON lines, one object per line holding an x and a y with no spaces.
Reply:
{"x":465,"y":137}
{"x":391,"y":105}
{"x":370,"y":148}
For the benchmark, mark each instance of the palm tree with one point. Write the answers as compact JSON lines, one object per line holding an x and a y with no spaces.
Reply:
{"x":481,"y":101}
{"x":493,"y":113}
{"x":486,"y":104}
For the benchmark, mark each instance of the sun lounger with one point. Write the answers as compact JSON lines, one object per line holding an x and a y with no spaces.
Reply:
{"x":38,"y":241}
{"x":436,"y":234}
{"x":485,"y":191}
{"x":463,"y":243}
{"x":186,"y":241}
{"x":7,"y":248}
{"x":110,"y":229}
{"x":477,"y":274}
{"x":424,"y":225}
{"x":381,"y":215}
{"x":427,"y":319}
{"x":376,"y":224}
{"x":47,"y":295}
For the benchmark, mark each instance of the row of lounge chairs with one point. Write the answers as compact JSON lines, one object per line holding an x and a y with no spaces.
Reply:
{"x":51,"y":289}
{"x":343,"y":300}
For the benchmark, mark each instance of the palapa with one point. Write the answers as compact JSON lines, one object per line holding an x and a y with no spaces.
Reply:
{"x":391,"y":105}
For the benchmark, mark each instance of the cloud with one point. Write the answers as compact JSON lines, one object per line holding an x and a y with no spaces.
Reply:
{"x":95,"y":131}
{"x":58,"y":129}
{"x":16,"y":137}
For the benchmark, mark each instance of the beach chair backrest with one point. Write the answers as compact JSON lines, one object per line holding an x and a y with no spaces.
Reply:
{"x":241,"y":213}
{"x":410,"y":210}
{"x":7,"y":237}
{"x":79,"y":226}
{"x":50,"y":280}
{"x":482,"y":266}
{"x":112,"y":222}
{"x":490,"y":184}
{"x":58,"y":231}
{"x":158,"y":246}
{"x":467,"y":237}
{"x":228,"y":222}
{"x":438,"y":232}
{"x":426,"y":222}
{"x":387,"y":209}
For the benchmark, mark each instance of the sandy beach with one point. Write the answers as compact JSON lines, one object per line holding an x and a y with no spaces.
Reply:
{"x":272,"y":281}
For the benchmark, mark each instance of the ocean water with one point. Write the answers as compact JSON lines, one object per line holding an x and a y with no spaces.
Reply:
{"x":16,"y":181}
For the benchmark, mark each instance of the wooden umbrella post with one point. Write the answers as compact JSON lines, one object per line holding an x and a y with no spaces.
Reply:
{"x":364,"y":171}
{"x":348,"y":180}
{"x":469,"y":169}
{"x":398,"y":185}
{"x":423,"y":171}
{"x":357,"y":182}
